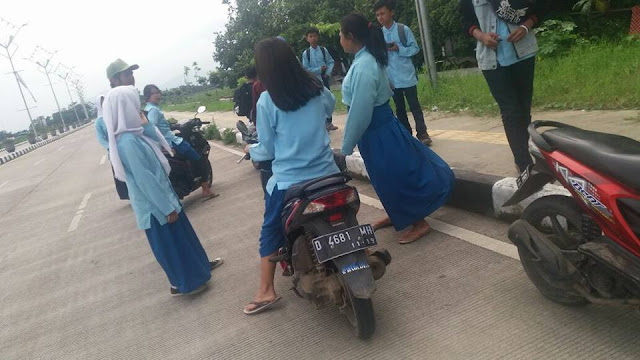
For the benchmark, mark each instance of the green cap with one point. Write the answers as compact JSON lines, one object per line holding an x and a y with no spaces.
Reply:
{"x":119,"y":66}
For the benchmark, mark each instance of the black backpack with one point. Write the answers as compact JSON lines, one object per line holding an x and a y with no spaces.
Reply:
{"x":324,"y":54}
{"x":243,"y":99}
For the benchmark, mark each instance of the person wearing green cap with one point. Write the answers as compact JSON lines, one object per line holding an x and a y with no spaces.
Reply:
{"x":120,"y":73}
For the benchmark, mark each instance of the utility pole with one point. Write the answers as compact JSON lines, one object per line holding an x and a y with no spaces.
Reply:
{"x":63,"y":73}
{"x":13,"y":69}
{"x":427,"y":44}
{"x":79,"y":87}
{"x":44,"y":66}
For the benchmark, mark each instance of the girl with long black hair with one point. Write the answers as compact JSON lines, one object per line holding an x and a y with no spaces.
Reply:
{"x":292,"y":132}
{"x":410,"y":179}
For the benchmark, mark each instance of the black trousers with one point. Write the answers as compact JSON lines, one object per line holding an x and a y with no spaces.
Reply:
{"x":121,"y":187}
{"x":325,"y":82}
{"x":512,"y":88}
{"x":411,"y":94}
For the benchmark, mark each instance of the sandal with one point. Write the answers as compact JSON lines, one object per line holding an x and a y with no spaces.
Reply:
{"x":209,"y":197}
{"x":261,"y":306}
{"x":412,"y":236}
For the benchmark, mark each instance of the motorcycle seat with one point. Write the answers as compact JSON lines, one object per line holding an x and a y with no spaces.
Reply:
{"x":613,"y":155}
{"x":299,"y":190}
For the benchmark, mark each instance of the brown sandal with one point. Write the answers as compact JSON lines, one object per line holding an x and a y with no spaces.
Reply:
{"x":412,"y":236}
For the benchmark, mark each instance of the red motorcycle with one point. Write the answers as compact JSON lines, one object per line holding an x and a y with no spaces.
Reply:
{"x":584,"y":248}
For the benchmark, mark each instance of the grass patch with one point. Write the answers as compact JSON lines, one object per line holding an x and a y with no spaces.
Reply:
{"x":593,"y":76}
{"x":214,"y":100}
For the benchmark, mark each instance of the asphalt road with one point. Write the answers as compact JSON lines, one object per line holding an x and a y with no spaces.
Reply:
{"x":79,"y":281}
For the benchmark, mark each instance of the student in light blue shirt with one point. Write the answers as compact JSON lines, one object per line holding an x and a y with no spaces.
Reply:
{"x":317,"y":60}
{"x":410,"y":179}
{"x":137,"y":159}
{"x":402,"y":46}
{"x":101,"y":129}
{"x":291,"y":131}
{"x":152,"y":96}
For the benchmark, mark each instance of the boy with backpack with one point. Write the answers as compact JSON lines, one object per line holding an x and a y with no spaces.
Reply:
{"x":317,"y":60}
{"x":243,"y":96}
{"x":401,"y":46}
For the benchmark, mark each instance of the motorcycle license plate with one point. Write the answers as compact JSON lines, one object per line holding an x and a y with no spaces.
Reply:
{"x":523,"y":177}
{"x":343,"y":242}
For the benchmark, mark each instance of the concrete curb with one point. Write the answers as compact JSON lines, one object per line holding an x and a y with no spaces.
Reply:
{"x":477,"y":192}
{"x":473,"y":191}
{"x":14,"y":155}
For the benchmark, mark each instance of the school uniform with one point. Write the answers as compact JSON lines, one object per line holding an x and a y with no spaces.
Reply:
{"x":137,"y":159}
{"x":402,"y":75}
{"x":299,"y":146}
{"x":410,"y":179}
{"x":103,"y":139}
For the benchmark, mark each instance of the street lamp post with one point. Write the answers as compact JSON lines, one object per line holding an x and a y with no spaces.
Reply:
{"x":65,"y":77}
{"x":77,"y":84}
{"x":15,"y":73}
{"x":44,"y":65}
{"x":427,"y":44}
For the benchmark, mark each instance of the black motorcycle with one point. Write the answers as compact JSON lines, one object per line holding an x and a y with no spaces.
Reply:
{"x":326,"y":251}
{"x":186,"y":175}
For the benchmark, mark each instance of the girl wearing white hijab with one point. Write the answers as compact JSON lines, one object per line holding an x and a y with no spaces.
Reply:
{"x":103,"y":139}
{"x":138,"y":160}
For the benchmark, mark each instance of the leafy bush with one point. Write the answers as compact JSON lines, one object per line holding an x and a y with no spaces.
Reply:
{"x":556,"y":37}
{"x":228,"y":137}
{"x":212,"y":132}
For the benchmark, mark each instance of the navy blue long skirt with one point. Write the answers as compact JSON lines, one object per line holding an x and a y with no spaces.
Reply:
{"x":178,"y":250}
{"x":410,"y":179}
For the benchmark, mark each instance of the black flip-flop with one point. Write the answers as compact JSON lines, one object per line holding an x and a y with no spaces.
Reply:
{"x":261,"y":306}
{"x":209,"y":197}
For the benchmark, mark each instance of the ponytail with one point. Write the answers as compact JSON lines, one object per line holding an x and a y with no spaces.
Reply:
{"x":370,"y":35}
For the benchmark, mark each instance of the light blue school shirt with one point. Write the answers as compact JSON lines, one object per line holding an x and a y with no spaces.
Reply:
{"x":297,"y":141}
{"x":365,"y":87}
{"x":156,"y":117}
{"x":317,"y":60}
{"x":150,"y":190}
{"x":101,"y":133}
{"x":506,"y":52}
{"x":401,"y":71}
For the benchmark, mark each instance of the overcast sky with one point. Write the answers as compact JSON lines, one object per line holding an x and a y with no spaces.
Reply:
{"x":159,"y":36}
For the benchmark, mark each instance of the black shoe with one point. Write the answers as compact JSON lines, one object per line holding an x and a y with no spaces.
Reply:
{"x":201,"y":288}
{"x":215,"y":263}
{"x":425,"y":139}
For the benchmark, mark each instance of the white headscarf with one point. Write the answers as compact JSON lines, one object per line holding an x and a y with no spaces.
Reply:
{"x":99,"y":104}
{"x":121,"y":115}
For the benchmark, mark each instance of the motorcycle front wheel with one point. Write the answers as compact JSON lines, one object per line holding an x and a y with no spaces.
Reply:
{"x":360,"y":314}
{"x":559,"y":218}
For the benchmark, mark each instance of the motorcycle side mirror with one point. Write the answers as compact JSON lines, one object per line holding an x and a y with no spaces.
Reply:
{"x":201,"y":109}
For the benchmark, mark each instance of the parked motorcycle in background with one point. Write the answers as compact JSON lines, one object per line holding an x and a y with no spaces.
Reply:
{"x":250,"y":136}
{"x":586,"y":247}
{"x":187,"y":176}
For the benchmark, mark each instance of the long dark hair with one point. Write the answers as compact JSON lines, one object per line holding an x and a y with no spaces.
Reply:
{"x":289,"y":85}
{"x":370,"y":35}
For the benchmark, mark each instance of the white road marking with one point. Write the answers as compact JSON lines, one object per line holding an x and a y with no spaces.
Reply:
{"x":483,"y":241}
{"x":38,"y":162}
{"x":471,"y":237}
{"x":4,"y":183}
{"x":61,"y":147}
{"x":104,"y":158}
{"x":76,"y":219}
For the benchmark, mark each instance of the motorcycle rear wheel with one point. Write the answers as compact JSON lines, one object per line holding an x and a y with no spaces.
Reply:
{"x":360,"y":314}
{"x":550,"y":215}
